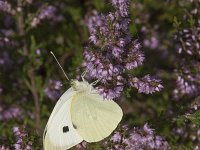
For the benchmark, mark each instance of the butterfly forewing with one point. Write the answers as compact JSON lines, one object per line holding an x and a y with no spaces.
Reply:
{"x":93,"y":117}
{"x":59,"y":132}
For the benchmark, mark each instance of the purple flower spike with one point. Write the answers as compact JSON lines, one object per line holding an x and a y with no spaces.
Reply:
{"x":47,"y":13}
{"x":121,"y":6}
{"x":5,"y":6}
{"x":3,"y":147}
{"x":138,"y":138}
{"x":147,"y":84}
{"x":21,"y":139}
{"x":188,"y":52}
{"x":112,"y":52}
{"x":53,"y":89}
{"x":10,"y":113}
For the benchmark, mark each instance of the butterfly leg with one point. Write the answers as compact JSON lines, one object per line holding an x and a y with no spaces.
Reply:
{"x":97,"y":81}
{"x":83,"y":75}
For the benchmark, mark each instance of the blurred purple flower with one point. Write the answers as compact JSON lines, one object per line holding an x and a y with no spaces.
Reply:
{"x":184,"y":87}
{"x":150,"y":34}
{"x":81,"y":145}
{"x":7,"y":43}
{"x":121,"y":7}
{"x":5,"y":60}
{"x":189,"y":132}
{"x":196,"y":147}
{"x":152,"y":43}
{"x":47,"y":13}
{"x":146,"y":84}
{"x":112,"y":52}
{"x":3,"y":147}
{"x":53,"y":89}
{"x":21,"y":139}
{"x":146,"y":139}
{"x":5,"y":6}
{"x":29,"y":1}
{"x":188,"y":51}
{"x":137,"y":138}
{"x":10,"y":113}
{"x":189,"y":41}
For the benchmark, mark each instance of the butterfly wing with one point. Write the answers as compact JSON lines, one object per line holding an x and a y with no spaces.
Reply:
{"x":94,"y":118}
{"x":59,"y":133}
{"x":67,"y":95}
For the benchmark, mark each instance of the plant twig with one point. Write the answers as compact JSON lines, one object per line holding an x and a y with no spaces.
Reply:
{"x":31,"y":75}
{"x":36,"y":100}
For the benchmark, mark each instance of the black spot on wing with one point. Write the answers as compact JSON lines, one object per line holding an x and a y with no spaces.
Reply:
{"x":65,"y":129}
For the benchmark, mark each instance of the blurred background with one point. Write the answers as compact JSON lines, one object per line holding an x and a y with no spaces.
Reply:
{"x":31,"y":81}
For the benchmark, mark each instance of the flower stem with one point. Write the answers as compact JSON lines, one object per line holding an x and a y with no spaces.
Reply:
{"x":34,"y":92}
{"x":30,"y":73}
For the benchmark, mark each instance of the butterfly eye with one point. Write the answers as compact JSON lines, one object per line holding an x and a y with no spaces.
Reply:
{"x":65,"y":129}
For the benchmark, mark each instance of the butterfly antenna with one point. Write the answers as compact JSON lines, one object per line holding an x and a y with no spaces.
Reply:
{"x":59,"y":65}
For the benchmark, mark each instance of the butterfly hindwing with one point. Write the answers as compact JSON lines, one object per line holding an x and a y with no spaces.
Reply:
{"x":59,"y":132}
{"x":93,"y":117}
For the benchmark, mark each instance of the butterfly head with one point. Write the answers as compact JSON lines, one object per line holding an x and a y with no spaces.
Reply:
{"x":80,"y":85}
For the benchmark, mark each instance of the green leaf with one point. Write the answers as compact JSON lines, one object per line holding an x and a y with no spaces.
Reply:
{"x":176,"y":23}
{"x":194,"y":118}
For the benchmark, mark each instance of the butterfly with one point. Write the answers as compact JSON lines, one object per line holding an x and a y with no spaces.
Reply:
{"x":80,"y":114}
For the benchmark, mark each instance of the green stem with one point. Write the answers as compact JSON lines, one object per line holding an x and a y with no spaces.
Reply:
{"x":30,"y":73}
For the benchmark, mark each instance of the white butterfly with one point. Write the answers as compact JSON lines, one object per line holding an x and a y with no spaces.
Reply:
{"x":80,"y":114}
